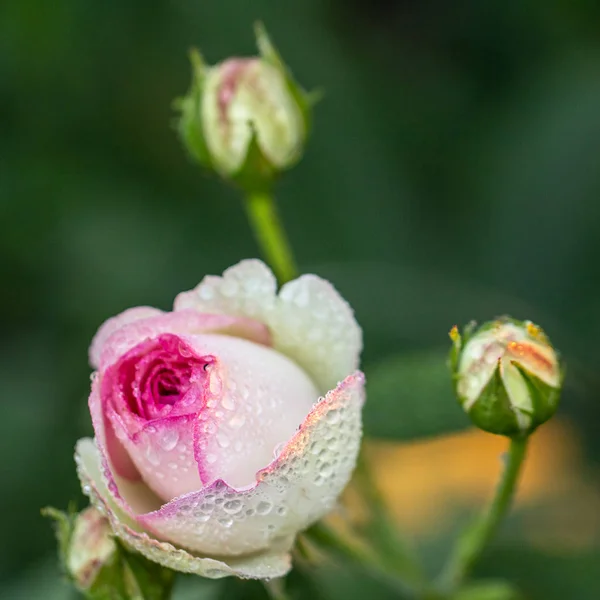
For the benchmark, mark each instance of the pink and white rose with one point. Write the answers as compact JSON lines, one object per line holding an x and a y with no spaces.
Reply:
{"x":224,"y":427}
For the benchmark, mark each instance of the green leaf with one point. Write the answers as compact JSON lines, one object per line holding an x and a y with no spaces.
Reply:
{"x":410,"y":395}
{"x":489,"y":590}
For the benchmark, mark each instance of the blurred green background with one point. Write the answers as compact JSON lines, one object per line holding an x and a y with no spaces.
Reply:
{"x":453,"y":174}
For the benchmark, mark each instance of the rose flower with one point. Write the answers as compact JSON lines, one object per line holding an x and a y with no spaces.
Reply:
{"x":227,"y":426}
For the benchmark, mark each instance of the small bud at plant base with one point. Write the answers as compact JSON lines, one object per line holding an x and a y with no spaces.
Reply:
{"x":245,"y":118}
{"x":507,"y":375}
{"x":91,"y":547}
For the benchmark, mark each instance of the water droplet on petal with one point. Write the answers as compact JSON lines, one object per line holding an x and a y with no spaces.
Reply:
{"x":222,"y":440}
{"x":263,"y":508}
{"x":232,"y":507}
{"x":237,"y":421}
{"x":226,"y":521}
{"x":151,"y":455}
{"x":168,"y":439}
{"x":228,"y":403}
{"x":278,"y":449}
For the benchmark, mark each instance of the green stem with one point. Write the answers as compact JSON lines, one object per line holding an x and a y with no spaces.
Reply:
{"x":393,"y":549}
{"x":270,"y":234}
{"x":328,"y":539}
{"x":470,"y":545}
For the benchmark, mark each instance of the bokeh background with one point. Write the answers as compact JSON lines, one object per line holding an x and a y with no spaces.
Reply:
{"x":453,"y":174}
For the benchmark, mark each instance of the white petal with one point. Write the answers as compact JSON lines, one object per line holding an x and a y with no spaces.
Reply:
{"x":295,"y":490}
{"x":316,"y":326}
{"x":309,"y":321}
{"x":263,"y":397}
{"x":274,"y":563}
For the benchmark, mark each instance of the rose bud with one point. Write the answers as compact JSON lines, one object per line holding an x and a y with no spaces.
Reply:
{"x":507,"y":375}
{"x":245,"y":117}
{"x":221,"y":430}
{"x":91,"y":547}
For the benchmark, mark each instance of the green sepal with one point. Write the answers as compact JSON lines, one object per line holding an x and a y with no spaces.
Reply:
{"x":64,"y":523}
{"x":544,"y":398}
{"x":493,"y":410}
{"x":488,"y":590}
{"x":458,"y":343}
{"x":143,"y":578}
{"x":124,"y":575}
{"x":257,"y":174}
{"x":305,"y":100}
{"x":189,"y":124}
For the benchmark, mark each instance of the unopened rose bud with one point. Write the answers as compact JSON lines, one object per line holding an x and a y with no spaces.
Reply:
{"x":245,"y":117}
{"x":507,"y":375}
{"x":91,"y":547}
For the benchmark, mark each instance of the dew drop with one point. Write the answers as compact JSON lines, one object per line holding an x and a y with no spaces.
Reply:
{"x":173,"y":465}
{"x":332,"y":417}
{"x":237,"y":421}
{"x":215,"y":384}
{"x":263,"y":508}
{"x":211,"y":458}
{"x":228,"y":403}
{"x":232,"y":507}
{"x":152,"y":455}
{"x":226,"y":521}
{"x":184,"y":350}
{"x":168,"y":440}
{"x":326,"y":470}
{"x":278,"y":449}
{"x":206,"y":292}
{"x":222,"y":440}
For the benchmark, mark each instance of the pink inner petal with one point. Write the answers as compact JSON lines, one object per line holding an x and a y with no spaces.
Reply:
{"x":151,"y":398}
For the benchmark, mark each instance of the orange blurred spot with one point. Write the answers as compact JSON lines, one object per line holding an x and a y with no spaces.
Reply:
{"x":424,"y":482}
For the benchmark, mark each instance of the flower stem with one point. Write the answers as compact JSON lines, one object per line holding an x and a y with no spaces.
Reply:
{"x":270,"y":234}
{"x":393,"y":549}
{"x":329,"y":539}
{"x":471,"y":543}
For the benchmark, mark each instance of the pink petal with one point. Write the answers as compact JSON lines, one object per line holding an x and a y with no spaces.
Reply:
{"x":155,"y":433}
{"x":295,"y":490}
{"x":108,"y":443}
{"x":113,"y":324}
{"x":126,"y":337}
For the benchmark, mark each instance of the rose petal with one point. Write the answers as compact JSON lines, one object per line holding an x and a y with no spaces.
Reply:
{"x":310,"y":322}
{"x":316,"y":327}
{"x":261,"y":398}
{"x":122,"y":339}
{"x":108,"y":442}
{"x":113,"y":324}
{"x":274,"y":563}
{"x":295,"y":490}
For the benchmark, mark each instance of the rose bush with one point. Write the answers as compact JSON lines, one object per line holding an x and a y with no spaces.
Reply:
{"x":227,"y":426}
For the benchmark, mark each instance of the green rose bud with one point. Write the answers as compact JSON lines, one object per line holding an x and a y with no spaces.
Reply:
{"x":507,"y":375}
{"x":245,"y":118}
